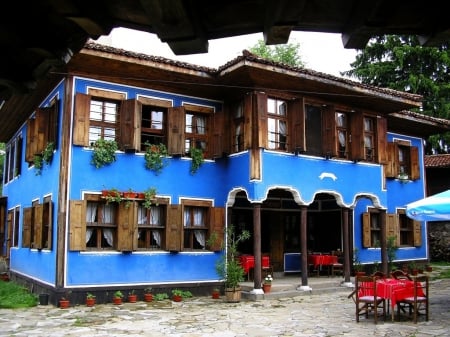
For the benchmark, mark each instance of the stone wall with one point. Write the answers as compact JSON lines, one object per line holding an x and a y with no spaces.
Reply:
{"x":439,"y":241}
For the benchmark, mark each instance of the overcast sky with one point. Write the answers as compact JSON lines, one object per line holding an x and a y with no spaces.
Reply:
{"x":322,"y":52}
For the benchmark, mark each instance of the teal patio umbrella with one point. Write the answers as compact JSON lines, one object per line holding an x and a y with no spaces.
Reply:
{"x":433,"y":208}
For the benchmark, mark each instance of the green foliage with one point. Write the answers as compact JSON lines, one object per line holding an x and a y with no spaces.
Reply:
{"x":45,"y":157}
{"x":228,"y":267}
{"x":104,"y":152}
{"x":149,"y":197}
{"x":118,"y":294}
{"x":90,"y":296}
{"x":154,"y":157}
{"x":14,"y":296}
{"x":113,"y":195}
{"x":391,"y":248}
{"x":282,"y":53}
{"x":161,"y":297}
{"x":401,"y":63}
{"x":197,"y":159}
{"x":182,"y":293}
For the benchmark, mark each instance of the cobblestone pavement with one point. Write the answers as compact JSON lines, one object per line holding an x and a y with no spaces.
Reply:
{"x":308,"y":314}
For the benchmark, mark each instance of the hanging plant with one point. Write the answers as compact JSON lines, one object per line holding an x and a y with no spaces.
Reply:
{"x":45,"y":157}
{"x":149,"y":197}
{"x":154,"y":157}
{"x":197,"y":159}
{"x":104,"y":152}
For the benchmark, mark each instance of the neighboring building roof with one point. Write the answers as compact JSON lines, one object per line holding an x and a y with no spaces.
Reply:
{"x":437,"y":161}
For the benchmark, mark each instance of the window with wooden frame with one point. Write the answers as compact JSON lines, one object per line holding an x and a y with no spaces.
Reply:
{"x":12,"y":234}
{"x":42,"y":129}
{"x":313,"y":130}
{"x":13,"y":159}
{"x":238,"y":127}
{"x":153,"y":127}
{"x":101,"y":224}
{"x":37,"y":225}
{"x":196,"y":223}
{"x":342,"y":132}
{"x":403,"y":160}
{"x":152,"y":226}
{"x":371,"y":229}
{"x":409,"y":230}
{"x":277,"y":124}
{"x":369,"y":139}
{"x":197,"y":126}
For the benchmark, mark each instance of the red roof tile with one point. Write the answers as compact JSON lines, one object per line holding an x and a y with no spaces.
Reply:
{"x":437,"y":160}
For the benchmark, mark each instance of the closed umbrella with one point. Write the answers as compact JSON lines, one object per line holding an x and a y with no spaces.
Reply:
{"x":433,"y":208}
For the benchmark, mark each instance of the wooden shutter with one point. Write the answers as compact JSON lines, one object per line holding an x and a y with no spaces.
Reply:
{"x":381,"y":140}
{"x":174,"y":229}
{"x":392,"y":229}
{"x":329,"y":131}
{"x":414,"y":160}
{"x":37,"y":226}
{"x":392,"y":162}
{"x":248,"y":121}
{"x":260,"y":128}
{"x":30,"y":143}
{"x":417,"y":233}
{"x":27,"y":223}
{"x":127,"y":227}
{"x":216,"y":227}
{"x":53,"y":123}
{"x":366,"y":230}
{"x":297,"y":124}
{"x":176,"y":131}
{"x":219,"y":140}
{"x":81,"y":119}
{"x":47,"y":221}
{"x":42,"y":128}
{"x":357,"y":136}
{"x":77,"y":225}
{"x":130,"y":125}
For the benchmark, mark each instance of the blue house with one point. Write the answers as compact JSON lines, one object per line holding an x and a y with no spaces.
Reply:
{"x":307,"y":162}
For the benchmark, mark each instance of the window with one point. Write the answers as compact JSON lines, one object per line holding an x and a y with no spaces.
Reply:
{"x":403,"y":160}
{"x":313,"y":130}
{"x":13,"y":159}
{"x":238,"y":123}
{"x":195,"y":227}
{"x":369,"y":139}
{"x":12,"y":234}
{"x":101,"y":226}
{"x":103,"y":119}
{"x":153,"y":126}
{"x":277,"y":124}
{"x":196,"y":133}
{"x":406,"y":226}
{"x":37,"y":225}
{"x":342,"y":134}
{"x":151,"y":227}
{"x":371,"y":229}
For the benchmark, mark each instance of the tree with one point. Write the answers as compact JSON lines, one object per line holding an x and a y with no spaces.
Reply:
{"x":401,"y":63}
{"x":283,"y":53}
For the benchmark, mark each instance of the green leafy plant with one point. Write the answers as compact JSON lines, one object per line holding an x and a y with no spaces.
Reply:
{"x":391,"y":249}
{"x":148,"y":290}
{"x":197,"y":159}
{"x":149,"y":197}
{"x":104,"y":152}
{"x":161,"y":297}
{"x":155,"y":157}
{"x":118,"y":294}
{"x":228,"y":266}
{"x":13,"y":295}
{"x":113,"y":195}
{"x":182,"y":293}
{"x":90,"y":296}
{"x":45,"y":157}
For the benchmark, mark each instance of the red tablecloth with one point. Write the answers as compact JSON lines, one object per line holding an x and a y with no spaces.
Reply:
{"x":248,"y":262}
{"x":322,"y":260}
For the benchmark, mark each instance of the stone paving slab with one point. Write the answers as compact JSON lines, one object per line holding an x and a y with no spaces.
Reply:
{"x":313,"y":314}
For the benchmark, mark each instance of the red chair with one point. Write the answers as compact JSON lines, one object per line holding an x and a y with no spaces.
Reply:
{"x":366,"y":298}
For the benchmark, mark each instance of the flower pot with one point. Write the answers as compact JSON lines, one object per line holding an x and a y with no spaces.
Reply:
{"x":215,"y":295}
{"x":43,"y":299}
{"x":148,"y":297}
{"x":90,"y":302}
{"x":177,"y":298}
{"x":129,"y":195}
{"x":429,"y":268}
{"x":63,"y":304}
{"x":132,"y":298}
{"x":233,"y":295}
{"x":117,"y":300}
{"x":267,"y":288}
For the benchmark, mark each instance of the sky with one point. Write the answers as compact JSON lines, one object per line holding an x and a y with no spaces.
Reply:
{"x":322,"y":52}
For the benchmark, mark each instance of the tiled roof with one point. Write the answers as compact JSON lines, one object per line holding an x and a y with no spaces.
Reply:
{"x":437,"y":160}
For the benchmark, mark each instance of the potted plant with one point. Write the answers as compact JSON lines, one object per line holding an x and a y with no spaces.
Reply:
{"x":267,"y":284}
{"x":177,"y":295}
{"x":132,"y":297}
{"x":64,"y":301}
{"x":228,"y":266}
{"x":215,"y":293}
{"x":357,"y":266}
{"x":154,"y":157}
{"x":391,"y":248}
{"x":117,"y":297}
{"x":90,"y":299}
{"x":104,"y":152}
{"x":113,"y":195}
{"x":148,"y":295}
{"x":197,"y":159}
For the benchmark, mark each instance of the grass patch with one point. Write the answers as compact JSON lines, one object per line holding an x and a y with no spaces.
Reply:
{"x":14,"y":296}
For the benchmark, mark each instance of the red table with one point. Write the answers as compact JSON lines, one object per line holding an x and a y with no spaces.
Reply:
{"x":248,"y":262}
{"x":317,"y":261}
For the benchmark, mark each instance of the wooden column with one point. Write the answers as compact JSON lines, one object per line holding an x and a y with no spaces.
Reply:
{"x":257,"y":245}
{"x":304,"y":245}
{"x":346,"y":248}
{"x":384,"y":258}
